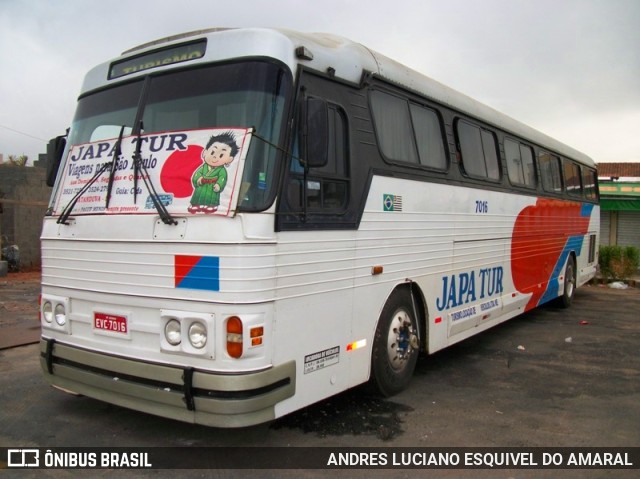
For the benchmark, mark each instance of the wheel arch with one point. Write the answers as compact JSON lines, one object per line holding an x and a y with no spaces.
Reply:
{"x":398,"y":339}
{"x":421,"y":311}
{"x":566,"y":297}
{"x":571,"y":256}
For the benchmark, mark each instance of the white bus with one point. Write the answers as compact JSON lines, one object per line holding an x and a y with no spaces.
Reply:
{"x":247,"y":221}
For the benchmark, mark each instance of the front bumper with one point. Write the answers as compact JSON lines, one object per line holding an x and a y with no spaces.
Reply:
{"x":185,"y":394}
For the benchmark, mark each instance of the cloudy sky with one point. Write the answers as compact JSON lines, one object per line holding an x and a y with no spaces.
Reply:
{"x":570,"y":68}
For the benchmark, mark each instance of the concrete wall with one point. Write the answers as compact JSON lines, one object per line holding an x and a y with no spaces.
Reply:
{"x":24,"y":197}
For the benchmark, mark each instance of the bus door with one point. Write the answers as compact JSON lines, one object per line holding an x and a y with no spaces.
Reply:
{"x":316,"y":221}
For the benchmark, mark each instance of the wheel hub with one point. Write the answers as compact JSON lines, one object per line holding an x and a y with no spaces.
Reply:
{"x":401,"y":340}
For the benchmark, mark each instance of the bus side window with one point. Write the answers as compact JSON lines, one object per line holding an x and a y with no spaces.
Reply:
{"x":428,"y":135}
{"x":478,"y":150}
{"x":572,"y":177}
{"x":393,"y":127}
{"x":327,"y":186}
{"x":520,"y":165}
{"x":550,"y":172}
{"x":589,"y":183}
{"x":408,"y":132}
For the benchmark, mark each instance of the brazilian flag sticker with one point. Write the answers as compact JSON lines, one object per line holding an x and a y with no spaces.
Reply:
{"x":391,"y":202}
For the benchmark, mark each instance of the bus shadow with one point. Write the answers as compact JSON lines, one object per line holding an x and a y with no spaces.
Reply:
{"x":358,"y":411}
{"x":361,"y":411}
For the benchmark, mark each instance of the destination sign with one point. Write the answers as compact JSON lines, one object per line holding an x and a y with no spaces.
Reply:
{"x":157,"y":58}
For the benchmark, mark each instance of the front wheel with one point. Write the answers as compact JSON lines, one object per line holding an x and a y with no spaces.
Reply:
{"x":395,"y":345}
{"x":569,"y":283}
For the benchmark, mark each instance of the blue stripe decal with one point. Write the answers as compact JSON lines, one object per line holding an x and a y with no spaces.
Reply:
{"x":574,"y":243}
{"x":586,"y":210}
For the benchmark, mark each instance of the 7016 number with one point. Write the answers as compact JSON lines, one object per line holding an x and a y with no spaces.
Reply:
{"x":482,"y":206}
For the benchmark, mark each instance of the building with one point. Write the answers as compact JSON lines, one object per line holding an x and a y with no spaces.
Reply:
{"x":619,"y":185}
{"x":24,"y":197}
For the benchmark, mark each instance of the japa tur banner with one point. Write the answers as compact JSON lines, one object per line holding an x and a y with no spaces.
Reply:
{"x":193,"y":171}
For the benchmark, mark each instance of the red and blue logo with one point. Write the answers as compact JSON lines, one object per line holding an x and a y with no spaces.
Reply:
{"x":543,"y":237}
{"x":197,"y":272}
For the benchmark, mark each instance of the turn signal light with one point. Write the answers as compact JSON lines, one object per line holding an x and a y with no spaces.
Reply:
{"x":256,"y":335}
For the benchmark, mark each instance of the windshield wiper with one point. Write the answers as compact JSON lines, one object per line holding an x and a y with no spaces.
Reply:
{"x":117,"y":150}
{"x":66,"y":212}
{"x":138,"y":165}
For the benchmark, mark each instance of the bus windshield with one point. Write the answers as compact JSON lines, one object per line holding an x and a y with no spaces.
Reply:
{"x":237,"y":95}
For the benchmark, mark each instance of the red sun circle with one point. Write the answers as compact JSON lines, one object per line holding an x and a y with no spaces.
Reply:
{"x":178,"y":169}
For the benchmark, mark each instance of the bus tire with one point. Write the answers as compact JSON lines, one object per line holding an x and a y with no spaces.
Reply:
{"x":395,"y":345}
{"x":569,"y":288}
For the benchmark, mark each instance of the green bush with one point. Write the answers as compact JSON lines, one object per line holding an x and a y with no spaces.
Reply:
{"x":617,"y":262}
{"x":632,"y":254}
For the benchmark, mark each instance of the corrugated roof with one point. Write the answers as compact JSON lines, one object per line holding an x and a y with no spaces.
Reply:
{"x":619,"y":170}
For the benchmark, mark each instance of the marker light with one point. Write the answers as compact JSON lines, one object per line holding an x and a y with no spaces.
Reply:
{"x":303,"y":53}
{"x":197,"y":335}
{"x":47,"y":311}
{"x":356,"y":345}
{"x":172,"y":332}
{"x":234,"y":337}
{"x":60,"y":314}
{"x":256,"y":334}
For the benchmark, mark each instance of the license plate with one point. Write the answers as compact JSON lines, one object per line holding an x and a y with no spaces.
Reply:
{"x":110,"y":322}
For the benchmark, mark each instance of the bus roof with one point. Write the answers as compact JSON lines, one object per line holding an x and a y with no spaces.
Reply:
{"x":349,"y":60}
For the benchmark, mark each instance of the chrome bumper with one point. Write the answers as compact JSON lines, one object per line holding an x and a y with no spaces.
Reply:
{"x":185,"y":394}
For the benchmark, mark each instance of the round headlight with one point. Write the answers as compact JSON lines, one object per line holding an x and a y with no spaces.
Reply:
{"x":60,"y":314}
{"x":198,"y":335}
{"x":47,"y":311}
{"x":172,"y":332}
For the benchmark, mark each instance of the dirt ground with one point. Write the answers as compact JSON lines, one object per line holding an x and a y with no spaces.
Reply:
{"x":16,"y":294}
{"x":19,"y":323}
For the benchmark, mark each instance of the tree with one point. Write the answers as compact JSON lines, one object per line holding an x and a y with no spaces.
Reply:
{"x":18,"y":160}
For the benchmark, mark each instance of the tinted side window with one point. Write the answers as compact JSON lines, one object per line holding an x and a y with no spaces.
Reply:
{"x":428,"y":136}
{"x":408,"y":132}
{"x":490,"y":149}
{"x":550,"y":172}
{"x":327,"y":187}
{"x":478,"y":150}
{"x":589,"y":182}
{"x":572,"y":177}
{"x":520,"y":166}
{"x":393,"y":127}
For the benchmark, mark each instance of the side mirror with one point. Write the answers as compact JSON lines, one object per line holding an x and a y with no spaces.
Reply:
{"x":316,"y":133}
{"x":55,"y":148}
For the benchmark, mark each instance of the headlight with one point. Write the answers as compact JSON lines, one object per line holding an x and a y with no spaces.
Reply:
{"x":47,"y":311}
{"x":60,"y":314}
{"x":198,"y":335}
{"x":172,"y":332}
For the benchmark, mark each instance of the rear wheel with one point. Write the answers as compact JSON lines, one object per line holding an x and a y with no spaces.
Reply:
{"x":396,"y":344}
{"x":569,"y":283}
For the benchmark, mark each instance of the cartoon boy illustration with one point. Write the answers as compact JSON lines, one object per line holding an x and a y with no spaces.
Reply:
{"x":211,"y":177}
